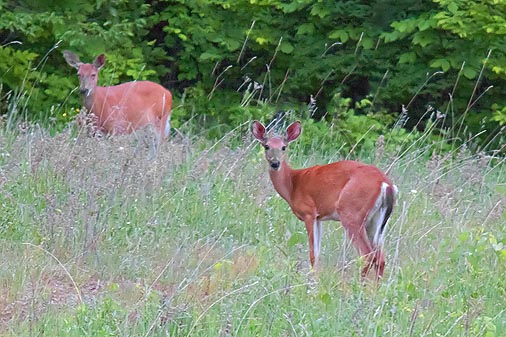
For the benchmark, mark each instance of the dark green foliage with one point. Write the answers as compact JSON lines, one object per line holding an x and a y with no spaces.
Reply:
{"x":225,"y":59}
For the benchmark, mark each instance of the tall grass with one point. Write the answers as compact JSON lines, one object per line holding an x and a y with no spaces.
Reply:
{"x":112,"y":237}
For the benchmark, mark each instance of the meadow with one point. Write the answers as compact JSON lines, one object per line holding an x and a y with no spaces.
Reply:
{"x":118,"y":237}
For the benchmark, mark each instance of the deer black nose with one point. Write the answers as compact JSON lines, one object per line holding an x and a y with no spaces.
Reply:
{"x":275,"y":164}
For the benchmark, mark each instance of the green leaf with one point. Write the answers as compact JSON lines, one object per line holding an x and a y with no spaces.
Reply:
{"x":320,"y":10}
{"x":502,"y":255}
{"x":411,"y":290}
{"x":209,"y":56}
{"x":499,"y":70}
{"x":367,"y":43}
{"x":233,"y":45}
{"x":296,"y":238}
{"x":409,"y":57}
{"x":325,"y":298}
{"x":424,"y":38}
{"x":469,"y":73}
{"x":464,"y":237}
{"x":340,"y":34}
{"x":405,"y":26}
{"x":261,"y":40}
{"x":306,"y":28}
{"x":444,"y":64}
{"x":286,"y":47}
{"x":425,"y":24}
{"x":453,"y":8}
{"x":391,"y":36}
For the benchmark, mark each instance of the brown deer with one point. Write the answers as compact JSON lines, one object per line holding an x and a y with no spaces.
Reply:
{"x":358,"y":195}
{"x":122,"y":108}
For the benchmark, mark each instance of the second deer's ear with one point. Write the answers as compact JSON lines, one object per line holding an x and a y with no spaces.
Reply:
{"x":99,"y":61}
{"x":258,"y":130}
{"x":293,"y":131}
{"x":72,"y":59}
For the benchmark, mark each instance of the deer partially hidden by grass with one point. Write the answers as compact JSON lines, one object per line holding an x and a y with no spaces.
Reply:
{"x":123,"y":108}
{"x":358,"y":195}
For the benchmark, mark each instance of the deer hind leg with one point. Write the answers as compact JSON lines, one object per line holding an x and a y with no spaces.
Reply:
{"x":165,"y":116}
{"x":376,"y":235}
{"x":357,"y":233}
{"x":164,"y":127}
{"x":167,"y":126}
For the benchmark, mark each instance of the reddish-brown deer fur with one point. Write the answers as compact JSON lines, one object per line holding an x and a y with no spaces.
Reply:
{"x":358,"y":195}
{"x":122,"y":108}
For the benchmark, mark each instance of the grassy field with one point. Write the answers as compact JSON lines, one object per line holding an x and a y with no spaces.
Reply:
{"x":113,"y":237}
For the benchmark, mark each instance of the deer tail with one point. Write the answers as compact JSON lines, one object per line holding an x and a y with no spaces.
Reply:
{"x":381,"y":213}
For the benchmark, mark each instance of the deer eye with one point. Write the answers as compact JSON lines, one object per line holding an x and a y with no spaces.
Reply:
{"x":283,"y":148}
{"x":266,"y":147}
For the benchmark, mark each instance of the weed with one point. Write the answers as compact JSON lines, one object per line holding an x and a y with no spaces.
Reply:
{"x":114,"y":236}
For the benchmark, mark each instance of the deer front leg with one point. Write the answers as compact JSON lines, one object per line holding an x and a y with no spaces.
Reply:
{"x":309,"y":222}
{"x":313,"y":228}
{"x":317,"y":233}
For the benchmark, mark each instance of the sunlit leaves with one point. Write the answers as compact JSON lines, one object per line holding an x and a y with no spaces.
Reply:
{"x":499,"y":115}
{"x":261,"y":40}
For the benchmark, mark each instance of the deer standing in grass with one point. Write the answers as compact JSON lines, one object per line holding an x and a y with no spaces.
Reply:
{"x":123,"y":108}
{"x":358,"y":195}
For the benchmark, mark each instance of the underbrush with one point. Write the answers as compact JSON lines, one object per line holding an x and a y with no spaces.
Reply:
{"x":114,"y":237}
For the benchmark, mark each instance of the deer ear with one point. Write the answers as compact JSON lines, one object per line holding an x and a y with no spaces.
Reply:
{"x":293,"y":131}
{"x":258,"y":130}
{"x":99,"y":61}
{"x":72,"y":59}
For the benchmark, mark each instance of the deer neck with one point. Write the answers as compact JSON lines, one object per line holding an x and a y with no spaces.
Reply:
{"x":89,"y":100}
{"x":282,"y":180}
{"x":96,"y":103}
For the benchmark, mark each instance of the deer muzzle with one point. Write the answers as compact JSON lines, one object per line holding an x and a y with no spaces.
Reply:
{"x":275,"y":164}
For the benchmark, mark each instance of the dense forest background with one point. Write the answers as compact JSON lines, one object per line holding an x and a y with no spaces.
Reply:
{"x":361,"y":65}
